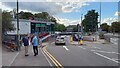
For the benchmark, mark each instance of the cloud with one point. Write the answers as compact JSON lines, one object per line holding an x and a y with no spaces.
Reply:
{"x":50,"y":7}
{"x":73,"y":6}
{"x":68,"y":22}
{"x":60,"y":0}
{"x":109,"y":20}
{"x":67,"y":8}
{"x":117,"y":13}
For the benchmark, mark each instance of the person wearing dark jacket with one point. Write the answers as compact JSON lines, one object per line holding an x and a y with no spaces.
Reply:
{"x":25,"y":41}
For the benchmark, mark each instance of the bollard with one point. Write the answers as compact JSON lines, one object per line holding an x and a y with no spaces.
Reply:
{"x":81,"y":42}
{"x":70,"y":39}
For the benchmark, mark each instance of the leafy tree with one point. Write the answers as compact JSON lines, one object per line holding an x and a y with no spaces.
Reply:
{"x":115,"y":27}
{"x":7,"y":22}
{"x":74,"y":27}
{"x":90,"y":23}
{"x":105,"y":27}
{"x":43,"y":15}
{"x":38,"y":16}
{"x":53,"y":19}
{"x":60,"y":27}
{"x":25,"y":15}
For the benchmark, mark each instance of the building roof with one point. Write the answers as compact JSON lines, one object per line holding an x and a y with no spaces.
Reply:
{"x":33,"y":21}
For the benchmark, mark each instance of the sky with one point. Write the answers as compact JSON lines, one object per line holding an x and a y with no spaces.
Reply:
{"x":67,"y":12}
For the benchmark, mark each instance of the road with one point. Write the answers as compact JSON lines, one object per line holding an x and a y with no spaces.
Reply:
{"x":90,"y":54}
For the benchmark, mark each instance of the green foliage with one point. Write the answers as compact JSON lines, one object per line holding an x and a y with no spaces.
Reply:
{"x":43,"y":15}
{"x":115,"y":27}
{"x":39,"y":16}
{"x":105,"y":27}
{"x":90,"y":23}
{"x":75,"y":29}
{"x":6,"y":22}
{"x":60,"y":27}
{"x":25,"y":15}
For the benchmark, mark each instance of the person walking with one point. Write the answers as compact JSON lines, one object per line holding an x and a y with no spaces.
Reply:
{"x":35,"y":45}
{"x":25,"y":41}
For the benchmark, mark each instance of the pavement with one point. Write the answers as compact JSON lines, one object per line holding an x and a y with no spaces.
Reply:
{"x":7,"y":56}
{"x":10,"y":58}
{"x":0,"y":56}
{"x":30,"y":60}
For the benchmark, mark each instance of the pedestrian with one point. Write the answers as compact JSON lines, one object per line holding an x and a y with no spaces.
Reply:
{"x":40,"y":43}
{"x":35,"y":44}
{"x":25,"y":41}
{"x":31,"y":37}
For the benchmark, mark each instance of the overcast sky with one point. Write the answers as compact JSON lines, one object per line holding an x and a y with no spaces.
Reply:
{"x":69,"y":11}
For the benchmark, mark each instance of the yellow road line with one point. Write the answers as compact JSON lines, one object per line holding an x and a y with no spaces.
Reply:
{"x":52,"y":58}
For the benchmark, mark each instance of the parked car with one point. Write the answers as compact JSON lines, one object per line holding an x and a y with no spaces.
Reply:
{"x":60,"y":40}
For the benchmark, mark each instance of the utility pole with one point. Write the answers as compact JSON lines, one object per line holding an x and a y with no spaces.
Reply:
{"x":78,"y":33}
{"x":100,"y":11}
{"x":18,"y":37}
{"x":79,"y":29}
{"x":81,"y":25}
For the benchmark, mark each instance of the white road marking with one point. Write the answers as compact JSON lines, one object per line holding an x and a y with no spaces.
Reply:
{"x":82,"y":47}
{"x":46,"y":58}
{"x":65,"y":48}
{"x":97,"y":47}
{"x":106,"y":57}
{"x":105,"y":51}
{"x":14,"y":59}
{"x":115,"y":52}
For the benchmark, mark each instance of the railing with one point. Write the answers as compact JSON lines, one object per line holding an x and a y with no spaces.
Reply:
{"x":43,"y":35}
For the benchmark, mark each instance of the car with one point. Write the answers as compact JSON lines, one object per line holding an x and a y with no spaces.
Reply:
{"x":60,"y":40}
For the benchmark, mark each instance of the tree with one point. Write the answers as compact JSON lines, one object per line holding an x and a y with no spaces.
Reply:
{"x":74,"y":27}
{"x":105,"y":27}
{"x":43,"y":15}
{"x":115,"y":27}
{"x":90,"y":23}
{"x":39,"y":16}
{"x":25,"y":15}
{"x":7,"y":22}
{"x":60,"y":27}
{"x":53,"y":19}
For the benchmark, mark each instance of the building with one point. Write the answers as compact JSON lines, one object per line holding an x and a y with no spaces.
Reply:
{"x":32,"y":26}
